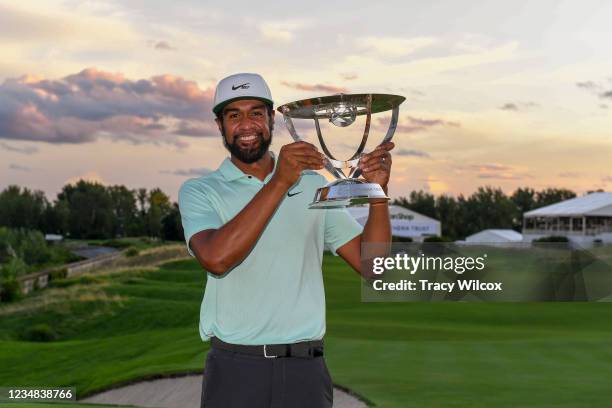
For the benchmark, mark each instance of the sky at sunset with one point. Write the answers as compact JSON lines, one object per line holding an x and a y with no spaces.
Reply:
{"x":498,"y":93}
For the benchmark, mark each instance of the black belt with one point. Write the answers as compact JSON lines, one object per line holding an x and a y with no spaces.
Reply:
{"x":305,"y":349}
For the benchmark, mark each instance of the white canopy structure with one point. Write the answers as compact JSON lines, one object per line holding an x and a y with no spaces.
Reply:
{"x":583,"y":220}
{"x":53,"y":237}
{"x":404,"y":222}
{"x":495,"y":236}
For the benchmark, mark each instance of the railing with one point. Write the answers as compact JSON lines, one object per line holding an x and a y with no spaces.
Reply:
{"x":152,"y":256}
{"x":553,"y":231}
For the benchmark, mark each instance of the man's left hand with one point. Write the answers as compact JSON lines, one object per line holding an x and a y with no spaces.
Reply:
{"x":376,"y":165}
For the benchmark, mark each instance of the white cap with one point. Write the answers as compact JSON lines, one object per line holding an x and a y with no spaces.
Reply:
{"x":241,"y":86}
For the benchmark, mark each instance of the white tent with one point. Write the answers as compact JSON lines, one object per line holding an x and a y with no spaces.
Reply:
{"x":404,"y":222}
{"x":494,"y":236}
{"x":596,"y":204}
{"x":583,"y":220}
{"x":53,"y":237}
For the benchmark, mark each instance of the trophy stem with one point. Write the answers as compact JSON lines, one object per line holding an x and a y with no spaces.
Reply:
{"x":328,"y":164}
{"x":366,"y":130}
{"x":390,"y":132}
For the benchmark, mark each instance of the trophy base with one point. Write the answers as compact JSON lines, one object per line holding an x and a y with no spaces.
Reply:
{"x":345,"y":193}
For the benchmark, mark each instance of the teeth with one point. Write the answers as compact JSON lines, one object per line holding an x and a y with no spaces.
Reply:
{"x":248,"y":138}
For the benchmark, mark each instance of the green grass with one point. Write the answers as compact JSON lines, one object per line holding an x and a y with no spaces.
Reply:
{"x":123,"y":326}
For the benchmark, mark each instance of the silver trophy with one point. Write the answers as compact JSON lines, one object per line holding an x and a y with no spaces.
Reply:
{"x":342,"y":110}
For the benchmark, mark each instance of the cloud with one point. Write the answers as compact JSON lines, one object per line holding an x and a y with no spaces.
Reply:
{"x":393,"y":46}
{"x":607,"y":179}
{"x":204,"y":129}
{"x":570,"y":174}
{"x":606,"y":95}
{"x":415,"y":124}
{"x":163,"y":46}
{"x":587,"y":85}
{"x":413,"y":92}
{"x":489,"y":167}
{"x":280,"y":31}
{"x":315,"y":87}
{"x":201,"y":171}
{"x":496,"y":171}
{"x":518,"y":106}
{"x":502,"y":176}
{"x":90,"y":176}
{"x":349,"y":76}
{"x":83,"y":107}
{"x":431,"y":122}
{"x":509,"y":106}
{"x":23,"y":150}
{"x":19,"y":168}
{"x":411,"y":152}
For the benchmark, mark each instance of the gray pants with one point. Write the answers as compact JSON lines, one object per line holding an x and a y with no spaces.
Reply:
{"x":233,"y":380}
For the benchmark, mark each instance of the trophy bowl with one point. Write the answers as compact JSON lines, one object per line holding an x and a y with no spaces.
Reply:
{"x":342,"y":110}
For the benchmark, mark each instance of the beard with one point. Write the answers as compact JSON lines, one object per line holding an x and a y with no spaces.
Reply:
{"x":248,"y":156}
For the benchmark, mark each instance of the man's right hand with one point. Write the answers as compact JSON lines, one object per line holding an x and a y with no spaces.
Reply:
{"x":294,"y":158}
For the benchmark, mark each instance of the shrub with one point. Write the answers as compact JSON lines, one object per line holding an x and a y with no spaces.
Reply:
{"x":9,"y":286}
{"x":436,"y":239}
{"x":39,"y":332}
{"x":552,"y":238}
{"x":58,"y":274}
{"x":33,"y":247}
{"x":9,"y":290}
{"x":132,"y":252}
{"x":28,"y":245}
{"x":88,"y":279}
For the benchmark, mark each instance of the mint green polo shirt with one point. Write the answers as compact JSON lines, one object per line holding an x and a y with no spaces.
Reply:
{"x":276,"y":294}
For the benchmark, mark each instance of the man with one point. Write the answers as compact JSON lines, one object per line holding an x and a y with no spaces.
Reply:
{"x":249,"y":226}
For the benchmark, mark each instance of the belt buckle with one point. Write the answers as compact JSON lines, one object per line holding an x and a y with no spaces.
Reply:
{"x":266,"y":353}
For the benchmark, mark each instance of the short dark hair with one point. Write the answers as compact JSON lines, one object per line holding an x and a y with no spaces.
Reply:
{"x":268,"y":106}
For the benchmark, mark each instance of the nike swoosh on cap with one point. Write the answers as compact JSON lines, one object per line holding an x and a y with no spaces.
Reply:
{"x":243,"y":86}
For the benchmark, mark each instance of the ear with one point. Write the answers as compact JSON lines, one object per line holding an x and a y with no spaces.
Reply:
{"x":219,"y":124}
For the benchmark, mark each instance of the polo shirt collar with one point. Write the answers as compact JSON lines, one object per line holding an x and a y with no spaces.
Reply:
{"x":230,"y":172}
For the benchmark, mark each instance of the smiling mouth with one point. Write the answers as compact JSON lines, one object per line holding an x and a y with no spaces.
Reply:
{"x":248,"y":141}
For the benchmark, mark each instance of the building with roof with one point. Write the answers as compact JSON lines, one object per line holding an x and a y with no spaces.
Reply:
{"x":583,"y":220}
{"x":54,"y":237}
{"x":405,"y":223}
{"x":494,"y":236}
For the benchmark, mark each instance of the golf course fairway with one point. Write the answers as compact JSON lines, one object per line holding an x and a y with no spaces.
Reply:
{"x":111,"y":328}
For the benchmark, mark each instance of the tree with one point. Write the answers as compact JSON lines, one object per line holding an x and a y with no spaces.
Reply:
{"x":487,"y":208}
{"x":525,"y":200}
{"x":172,"y":228}
{"x":22,"y":208}
{"x":90,"y":210}
{"x":158,"y":207}
{"x":125,"y":212}
{"x":420,"y":201}
{"x":552,"y":196}
{"x":56,"y":218}
{"x":449,"y":210}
